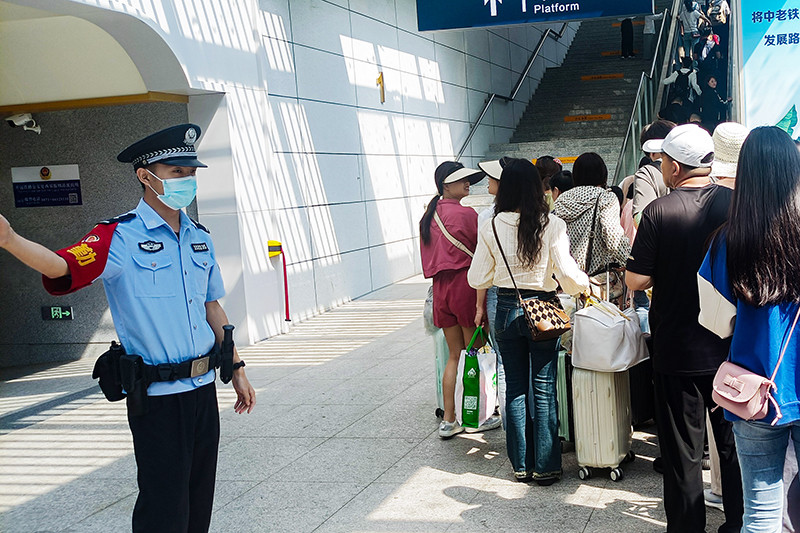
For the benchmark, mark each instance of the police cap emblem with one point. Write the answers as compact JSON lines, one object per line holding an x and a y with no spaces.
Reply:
{"x":190,"y":137}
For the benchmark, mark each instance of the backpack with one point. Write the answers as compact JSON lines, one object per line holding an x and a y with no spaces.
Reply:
{"x":681,"y":86}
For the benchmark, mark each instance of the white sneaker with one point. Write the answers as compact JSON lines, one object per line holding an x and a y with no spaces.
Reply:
{"x":493,"y":422}
{"x":449,"y":429}
{"x":712,"y":500}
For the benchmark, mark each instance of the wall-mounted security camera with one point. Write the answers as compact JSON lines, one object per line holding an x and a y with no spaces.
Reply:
{"x":25,"y":120}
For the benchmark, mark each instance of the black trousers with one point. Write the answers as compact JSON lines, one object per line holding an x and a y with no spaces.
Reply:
{"x":681,"y":403}
{"x":176,"y":446}
{"x":627,"y":38}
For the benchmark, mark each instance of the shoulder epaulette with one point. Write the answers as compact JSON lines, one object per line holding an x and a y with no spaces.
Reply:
{"x":200,"y":226}
{"x":120,"y":218}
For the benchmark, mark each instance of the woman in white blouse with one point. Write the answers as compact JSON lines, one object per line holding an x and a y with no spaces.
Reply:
{"x":536,"y":246}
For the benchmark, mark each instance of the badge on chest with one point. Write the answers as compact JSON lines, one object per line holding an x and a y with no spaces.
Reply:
{"x":151,"y":246}
{"x":199,"y":247}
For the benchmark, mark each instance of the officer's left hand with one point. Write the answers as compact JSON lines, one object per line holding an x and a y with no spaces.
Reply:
{"x":245,"y":394}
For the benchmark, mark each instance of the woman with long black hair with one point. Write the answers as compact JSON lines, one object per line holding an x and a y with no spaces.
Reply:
{"x":448,"y":232}
{"x":749,"y":288}
{"x":536,"y":246}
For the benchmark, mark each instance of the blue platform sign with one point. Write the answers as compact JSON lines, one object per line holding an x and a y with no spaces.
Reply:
{"x":452,"y":14}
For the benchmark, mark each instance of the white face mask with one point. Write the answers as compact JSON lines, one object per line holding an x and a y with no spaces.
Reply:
{"x":178,"y":192}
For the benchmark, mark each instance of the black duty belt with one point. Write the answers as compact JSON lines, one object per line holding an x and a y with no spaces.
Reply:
{"x":191,"y":368}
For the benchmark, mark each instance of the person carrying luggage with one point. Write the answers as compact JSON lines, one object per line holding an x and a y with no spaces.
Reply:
{"x":448,"y":233}
{"x":536,"y":246}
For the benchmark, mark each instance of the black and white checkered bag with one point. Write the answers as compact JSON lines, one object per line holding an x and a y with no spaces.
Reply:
{"x":546,"y":318}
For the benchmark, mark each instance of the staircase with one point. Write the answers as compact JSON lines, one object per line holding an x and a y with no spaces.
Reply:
{"x":585,"y":104}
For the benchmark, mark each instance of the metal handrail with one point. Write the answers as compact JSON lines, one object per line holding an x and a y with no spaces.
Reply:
{"x":648,"y":96}
{"x":510,"y":98}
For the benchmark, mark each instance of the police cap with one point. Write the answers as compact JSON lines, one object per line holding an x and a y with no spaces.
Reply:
{"x":170,"y":146}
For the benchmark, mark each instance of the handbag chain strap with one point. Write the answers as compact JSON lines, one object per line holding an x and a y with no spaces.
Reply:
{"x":500,"y":247}
{"x":785,"y":345}
{"x":458,"y":244}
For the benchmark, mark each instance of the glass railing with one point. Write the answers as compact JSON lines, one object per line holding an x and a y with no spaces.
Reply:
{"x":649,"y":95}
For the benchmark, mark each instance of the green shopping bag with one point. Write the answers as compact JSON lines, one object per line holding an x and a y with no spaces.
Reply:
{"x":476,"y":383}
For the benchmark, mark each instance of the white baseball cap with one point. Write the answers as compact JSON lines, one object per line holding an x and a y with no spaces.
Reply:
{"x":728,"y":139}
{"x":688,"y":144}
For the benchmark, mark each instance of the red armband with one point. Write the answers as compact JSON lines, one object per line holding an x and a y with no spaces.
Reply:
{"x":86,"y":261}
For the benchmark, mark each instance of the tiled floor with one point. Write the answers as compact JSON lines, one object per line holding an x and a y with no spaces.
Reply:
{"x":343,"y":439}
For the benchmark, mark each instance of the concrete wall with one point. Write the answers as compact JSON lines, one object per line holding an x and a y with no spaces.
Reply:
{"x":301,"y":149}
{"x":90,"y":138}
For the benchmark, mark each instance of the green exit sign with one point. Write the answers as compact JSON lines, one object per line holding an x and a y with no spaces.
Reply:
{"x":57,"y":312}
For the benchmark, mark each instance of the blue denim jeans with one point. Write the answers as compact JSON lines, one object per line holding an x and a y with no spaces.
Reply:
{"x":641,"y":303}
{"x":762,"y":452}
{"x":491,"y":313}
{"x":531,"y":422}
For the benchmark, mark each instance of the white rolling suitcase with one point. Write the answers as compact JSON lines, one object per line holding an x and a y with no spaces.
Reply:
{"x":442,"y":353}
{"x":602,"y":412}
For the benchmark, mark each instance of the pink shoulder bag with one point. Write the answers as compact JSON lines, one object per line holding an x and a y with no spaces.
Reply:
{"x":747,"y":394}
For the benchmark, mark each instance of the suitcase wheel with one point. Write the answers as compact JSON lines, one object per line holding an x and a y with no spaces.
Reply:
{"x":616,"y":474}
{"x":629,"y":458}
{"x":584,"y":473}
{"x":439,"y":413}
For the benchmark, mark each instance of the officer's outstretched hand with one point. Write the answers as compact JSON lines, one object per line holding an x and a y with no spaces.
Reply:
{"x":5,"y":232}
{"x":245,"y":394}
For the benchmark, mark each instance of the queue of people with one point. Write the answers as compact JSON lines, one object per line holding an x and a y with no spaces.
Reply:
{"x":692,"y":190}
{"x":697,"y":86}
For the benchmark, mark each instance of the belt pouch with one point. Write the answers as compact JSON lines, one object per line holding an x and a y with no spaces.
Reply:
{"x":134,"y":383}
{"x":106,"y":370}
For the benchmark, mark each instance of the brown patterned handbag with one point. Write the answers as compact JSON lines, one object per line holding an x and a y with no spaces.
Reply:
{"x":546,"y":318}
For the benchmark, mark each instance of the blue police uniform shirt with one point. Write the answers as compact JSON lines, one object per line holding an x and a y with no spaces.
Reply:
{"x":157,"y":286}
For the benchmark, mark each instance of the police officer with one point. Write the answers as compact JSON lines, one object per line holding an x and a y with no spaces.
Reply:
{"x":163,"y":286}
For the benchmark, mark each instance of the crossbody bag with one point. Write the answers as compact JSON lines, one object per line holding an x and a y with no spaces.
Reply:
{"x":546,"y":319}
{"x":745,"y":393}
{"x":458,"y":244}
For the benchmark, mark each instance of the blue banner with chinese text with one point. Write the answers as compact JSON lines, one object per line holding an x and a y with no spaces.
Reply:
{"x":770,"y":55}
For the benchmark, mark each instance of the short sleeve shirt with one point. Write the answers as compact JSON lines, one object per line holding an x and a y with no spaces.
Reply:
{"x":440,"y":254}
{"x":670,"y":245}
{"x":157,"y":283}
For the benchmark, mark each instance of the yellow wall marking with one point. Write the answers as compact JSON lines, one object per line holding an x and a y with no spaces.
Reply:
{"x":564,"y":160}
{"x":616,"y":75}
{"x":586,"y":118}
{"x":40,"y":107}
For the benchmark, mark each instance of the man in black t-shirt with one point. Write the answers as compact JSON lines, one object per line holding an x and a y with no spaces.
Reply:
{"x":670,"y":245}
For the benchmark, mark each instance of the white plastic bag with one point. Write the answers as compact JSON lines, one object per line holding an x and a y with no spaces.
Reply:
{"x":476,"y":384}
{"x":606,"y":339}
